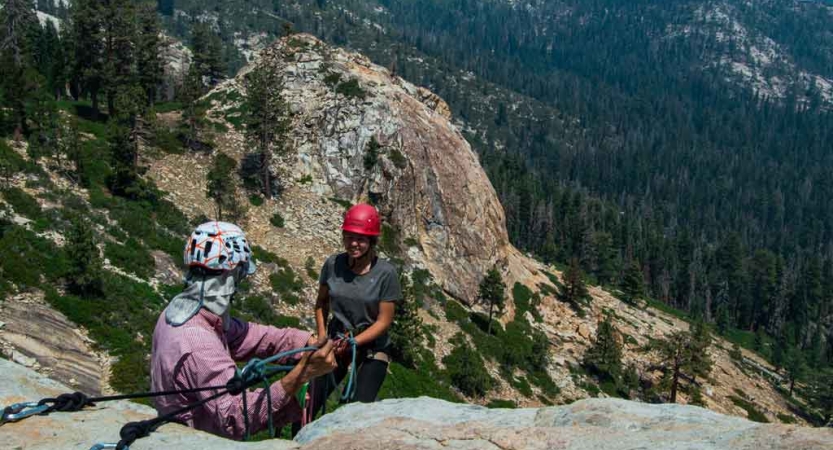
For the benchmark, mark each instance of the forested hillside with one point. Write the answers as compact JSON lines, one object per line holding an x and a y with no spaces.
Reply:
{"x":687,"y":140}
{"x":672,"y":152}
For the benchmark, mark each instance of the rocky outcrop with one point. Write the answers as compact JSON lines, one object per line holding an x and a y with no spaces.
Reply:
{"x":37,"y":336}
{"x":422,"y":423}
{"x":437,"y":201}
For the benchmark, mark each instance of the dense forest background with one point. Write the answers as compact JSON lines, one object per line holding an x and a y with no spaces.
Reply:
{"x":612,"y":139}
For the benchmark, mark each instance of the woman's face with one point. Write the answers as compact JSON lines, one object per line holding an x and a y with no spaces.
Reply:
{"x":356,"y":245}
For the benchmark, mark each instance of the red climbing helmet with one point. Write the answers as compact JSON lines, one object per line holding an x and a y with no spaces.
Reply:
{"x":362,"y":219}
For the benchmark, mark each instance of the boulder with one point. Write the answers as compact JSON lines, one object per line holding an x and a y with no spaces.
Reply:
{"x":421,"y":423}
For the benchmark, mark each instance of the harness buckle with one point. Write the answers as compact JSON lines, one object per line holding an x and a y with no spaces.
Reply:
{"x":20,"y":411}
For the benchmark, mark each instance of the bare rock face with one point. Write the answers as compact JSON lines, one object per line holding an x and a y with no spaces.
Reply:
{"x":421,"y":423}
{"x":426,"y":423}
{"x":43,"y":339}
{"x":440,"y":207}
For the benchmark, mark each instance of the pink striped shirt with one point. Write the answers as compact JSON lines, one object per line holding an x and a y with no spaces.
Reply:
{"x":199,"y":354}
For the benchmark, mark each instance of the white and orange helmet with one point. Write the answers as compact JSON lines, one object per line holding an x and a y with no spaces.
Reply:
{"x":219,"y":246}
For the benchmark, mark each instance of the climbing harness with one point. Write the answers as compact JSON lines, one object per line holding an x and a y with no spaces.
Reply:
{"x":254,"y":372}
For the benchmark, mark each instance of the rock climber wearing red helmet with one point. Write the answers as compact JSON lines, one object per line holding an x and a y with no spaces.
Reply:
{"x":361,"y":290}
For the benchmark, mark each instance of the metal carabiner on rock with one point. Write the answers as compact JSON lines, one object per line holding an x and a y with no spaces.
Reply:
{"x":19,"y":411}
{"x":105,"y":446}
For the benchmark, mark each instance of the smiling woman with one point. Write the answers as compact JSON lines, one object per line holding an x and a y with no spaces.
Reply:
{"x":361,"y":290}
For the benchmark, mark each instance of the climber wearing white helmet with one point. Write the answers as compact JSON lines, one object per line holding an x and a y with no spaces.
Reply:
{"x":196,"y":343}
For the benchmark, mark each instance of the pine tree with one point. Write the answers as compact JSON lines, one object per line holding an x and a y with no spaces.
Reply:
{"x":633,"y":284}
{"x":492,"y":292}
{"x":44,"y":125}
{"x":723,"y":318}
{"x":701,"y":340}
{"x":120,"y":37}
{"x":148,"y":45}
{"x":20,"y":24}
{"x":85,"y":267}
{"x":795,"y":365}
{"x":19,"y":30}
{"x":208,"y":53}
{"x":221,"y":185}
{"x":87,"y":35}
{"x":573,"y":291}
{"x":125,"y":132}
{"x":266,"y":120}
{"x":406,"y":331}
{"x":606,"y":263}
{"x":70,"y":147}
{"x":604,"y":357}
{"x":779,"y":354}
{"x":684,"y":353}
{"x":51,"y":60}
{"x":193,"y":113}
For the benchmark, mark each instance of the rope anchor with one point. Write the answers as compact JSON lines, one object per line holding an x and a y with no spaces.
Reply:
{"x":19,"y":411}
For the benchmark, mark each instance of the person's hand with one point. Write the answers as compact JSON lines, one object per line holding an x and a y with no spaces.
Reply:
{"x":317,"y":340}
{"x":321,"y":362}
{"x":342,"y":349}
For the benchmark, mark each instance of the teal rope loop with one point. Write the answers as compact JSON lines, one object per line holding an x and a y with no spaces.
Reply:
{"x":350,"y":390}
{"x":260,"y":370}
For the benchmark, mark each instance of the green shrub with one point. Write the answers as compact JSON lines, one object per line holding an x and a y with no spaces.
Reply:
{"x":93,"y":163}
{"x":454,"y":311}
{"x":11,"y":162}
{"x":411,"y":242}
{"x":500,"y":403}
{"x":544,"y":382}
{"x":371,"y":154}
{"x":168,"y":141}
{"x":306,"y":179}
{"x":166,"y":107}
{"x":466,"y":369}
{"x":332,"y":79}
{"x":398,"y":159}
{"x":167,"y":215}
{"x":521,"y":384}
{"x":784,"y":418}
{"x":403,"y":382}
{"x":309,"y":266}
{"x":389,"y":240}
{"x":132,"y":257}
{"x":351,"y":89}
{"x":255,"y":200}
{"x":257,"y":309}
{"x":287,"y":284}
{"x":265,"y":256}
{"x":522,"y":296}
{"x":481,"y":320}
{"x":752,"y":412}
{"x":23,"y":203}
{"x":18,"y":244}
{"x":346,"y":204}
{"x":277,"y":220}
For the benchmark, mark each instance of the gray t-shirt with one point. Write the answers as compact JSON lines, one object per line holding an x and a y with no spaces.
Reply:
{"x":354,"y":299}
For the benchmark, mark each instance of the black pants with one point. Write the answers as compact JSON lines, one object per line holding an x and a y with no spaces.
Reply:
{"x":372,"y":369}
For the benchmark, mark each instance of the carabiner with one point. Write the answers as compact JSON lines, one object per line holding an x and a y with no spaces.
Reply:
{"x":104,"y":446}
{"x":19,"y":411}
